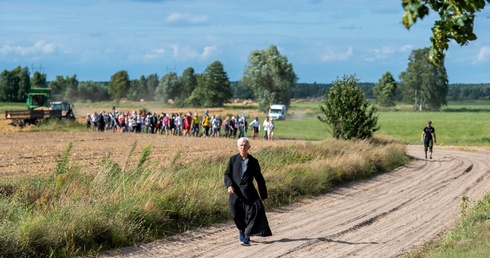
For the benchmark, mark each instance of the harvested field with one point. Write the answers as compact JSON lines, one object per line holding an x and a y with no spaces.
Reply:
{"x":30,"y":153}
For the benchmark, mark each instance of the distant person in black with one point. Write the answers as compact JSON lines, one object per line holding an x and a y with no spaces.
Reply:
{"x":428,"y":137}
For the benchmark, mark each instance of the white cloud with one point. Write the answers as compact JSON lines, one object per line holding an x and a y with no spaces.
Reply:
{"x":155,"y":54}
{"x":186,"y":19}
{"x":386,"y":52}
{"x":483,"y":55}
{"x":186,"y":53}
{"x":45,"y":47}
{"x":208,"y":52}
{"x":406,"y":48}
{"x":40,"y":47}
{"x":380,"y":53}
{"x":338,"y":56}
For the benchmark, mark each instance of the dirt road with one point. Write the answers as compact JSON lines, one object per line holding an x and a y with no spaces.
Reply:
{"x":381,"y":217}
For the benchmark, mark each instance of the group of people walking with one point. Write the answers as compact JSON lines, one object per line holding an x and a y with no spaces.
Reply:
{"x":268,"y":128}
{"x":178,"y":124}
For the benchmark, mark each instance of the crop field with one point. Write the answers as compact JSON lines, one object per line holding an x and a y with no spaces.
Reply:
{"x":34,"y":153}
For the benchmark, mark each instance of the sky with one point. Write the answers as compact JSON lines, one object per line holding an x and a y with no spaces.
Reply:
{"x":322,"y":39}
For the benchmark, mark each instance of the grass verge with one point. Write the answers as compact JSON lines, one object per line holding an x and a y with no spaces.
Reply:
{"x":470,"y":237}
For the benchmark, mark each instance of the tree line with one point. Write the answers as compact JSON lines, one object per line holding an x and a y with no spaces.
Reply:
{"x":268,"y":78}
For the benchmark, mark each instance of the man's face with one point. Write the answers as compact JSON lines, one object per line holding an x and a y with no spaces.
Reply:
{"x":243,"y":147}
{"x":429,"y":124}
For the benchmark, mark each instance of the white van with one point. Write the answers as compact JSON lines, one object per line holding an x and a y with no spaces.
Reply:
{"x":277,"y":112}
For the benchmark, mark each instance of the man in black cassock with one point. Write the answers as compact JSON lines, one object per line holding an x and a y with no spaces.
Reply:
{"x":247,"y":209}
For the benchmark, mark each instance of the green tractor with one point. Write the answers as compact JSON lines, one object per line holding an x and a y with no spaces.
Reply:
{"x":40,"y":107}
{"x":38,"y":97}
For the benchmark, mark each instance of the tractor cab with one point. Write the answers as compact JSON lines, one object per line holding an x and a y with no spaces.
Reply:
{"x":65,"y":109}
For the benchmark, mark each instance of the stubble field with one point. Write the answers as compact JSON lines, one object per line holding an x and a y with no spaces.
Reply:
{"x":34,"y":153}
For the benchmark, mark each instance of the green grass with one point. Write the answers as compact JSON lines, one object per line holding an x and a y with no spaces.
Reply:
{"x":470,"y":106}
{"x":309,"y":129}
{"x":452,"y":128}
{"x":470,"y":238}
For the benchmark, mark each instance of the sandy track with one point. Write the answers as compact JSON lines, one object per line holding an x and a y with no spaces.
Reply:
{"x":381,"y":217}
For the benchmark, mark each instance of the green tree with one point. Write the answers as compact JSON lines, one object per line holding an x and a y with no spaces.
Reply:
{"x":213,"y":87}
{"x":475,"y":93}
{"x":424,"y":84}
{"x":22,"y":83}
{"x":151,"y":85}
{"x":168,"y":88}
{"x":72,"y":92}
{"x":58,"y":85}
{"x":138,"y":89}
{"x":93,"y":91}
{"x":6,"y":86}
{"x":456,"y":20}
{"x":119,"y":85}
{"x":196,"y":99}
{"x":39,"y":80}
{"x":189,"y":83}
{"x":456,"y":94}
{"x":133,"y":91}
{"x":385,"y":90}
{"x":347,"y":112}
{"x":271,"y":77}
{"x":242,"y":91}
{"x":65,"y":88}
{"x":15,"y":84}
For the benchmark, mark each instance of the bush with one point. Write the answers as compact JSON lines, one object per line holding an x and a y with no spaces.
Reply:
{"x":347,"y":111}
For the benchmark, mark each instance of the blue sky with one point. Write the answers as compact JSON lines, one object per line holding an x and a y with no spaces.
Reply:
{"x":323,"y":39}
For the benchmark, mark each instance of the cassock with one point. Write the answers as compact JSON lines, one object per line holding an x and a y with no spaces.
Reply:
{"x":246,"y":207}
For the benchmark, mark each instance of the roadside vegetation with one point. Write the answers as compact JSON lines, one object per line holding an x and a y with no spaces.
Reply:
{"x":469,"y":238}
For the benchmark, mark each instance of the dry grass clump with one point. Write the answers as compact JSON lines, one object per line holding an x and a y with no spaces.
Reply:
{"x":313,"y":168}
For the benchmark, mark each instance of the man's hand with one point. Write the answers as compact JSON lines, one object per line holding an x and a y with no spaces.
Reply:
{"x":230,"y":190}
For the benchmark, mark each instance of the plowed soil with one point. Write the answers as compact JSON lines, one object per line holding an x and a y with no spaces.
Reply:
{"x":384,"y":216}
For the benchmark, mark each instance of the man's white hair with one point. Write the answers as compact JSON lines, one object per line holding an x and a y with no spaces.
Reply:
{"x":243,"y":139}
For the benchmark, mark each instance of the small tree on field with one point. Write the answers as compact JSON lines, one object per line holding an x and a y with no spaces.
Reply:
{"x":385,"y":90}
{"x":119,"y":85}
{"x":347,"y":111}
